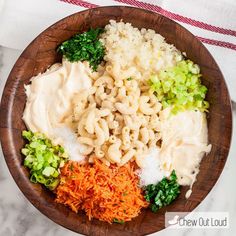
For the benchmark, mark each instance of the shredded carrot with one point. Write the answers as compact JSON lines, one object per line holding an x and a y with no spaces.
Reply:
{"x":105,"y":193}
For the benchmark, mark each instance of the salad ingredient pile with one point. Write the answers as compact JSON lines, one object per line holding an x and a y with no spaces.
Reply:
{"x":84,"y":47}
{"x":180,"y":87}
{"x":163,"y":193}
{"x":43,"y":159}
{"x":184,"y":143}
{"x":130,"y":112}
{"x":49,"y":102}
{"x":107,"y":193}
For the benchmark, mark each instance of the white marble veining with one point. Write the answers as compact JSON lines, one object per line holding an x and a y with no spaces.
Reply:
{"x":19,"y":218}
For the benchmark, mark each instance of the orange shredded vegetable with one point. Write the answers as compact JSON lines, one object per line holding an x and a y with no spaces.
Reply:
{"x":109,"y":194}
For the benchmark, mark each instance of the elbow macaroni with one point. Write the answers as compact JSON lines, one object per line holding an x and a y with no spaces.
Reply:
{"x":117,"y":119}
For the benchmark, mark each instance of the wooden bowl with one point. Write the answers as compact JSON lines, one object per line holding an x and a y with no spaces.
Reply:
{"x":41,"y":53}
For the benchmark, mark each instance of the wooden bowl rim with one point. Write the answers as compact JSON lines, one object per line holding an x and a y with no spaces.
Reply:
{"x":5,"y":121}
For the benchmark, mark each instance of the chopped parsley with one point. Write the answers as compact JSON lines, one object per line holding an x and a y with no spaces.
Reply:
{"x":162,"y":193}
{"x":130,"y":78}
{"x":118,"y":221}
{"x":71,"y":167}
{"x":84,"y":47}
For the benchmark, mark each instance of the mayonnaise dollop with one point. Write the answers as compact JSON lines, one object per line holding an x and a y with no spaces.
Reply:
{"x":184,"y":143}
{"x":49,"y":102}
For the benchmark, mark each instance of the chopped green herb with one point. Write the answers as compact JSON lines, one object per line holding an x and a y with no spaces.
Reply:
{"x":84,"y":47}
{"x":163,"y":193}
{"x":71,"y":167}
{"x":118,"y":221}
{"x":43,"y":159}
{"x":130,"y":78}
{"x":180,"y":87}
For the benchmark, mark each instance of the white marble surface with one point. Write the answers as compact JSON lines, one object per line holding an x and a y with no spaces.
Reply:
{"x":19,"y":218}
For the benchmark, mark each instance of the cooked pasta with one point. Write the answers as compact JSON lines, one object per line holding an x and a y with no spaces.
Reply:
{"x":118,"y":111}
{"x":122,"y":121}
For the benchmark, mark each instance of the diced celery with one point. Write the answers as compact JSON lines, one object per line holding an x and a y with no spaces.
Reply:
{"x":180,"y":87}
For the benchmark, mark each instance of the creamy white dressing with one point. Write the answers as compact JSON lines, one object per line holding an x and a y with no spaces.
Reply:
{"x":49,"y":101}
{"x":184,"y":143}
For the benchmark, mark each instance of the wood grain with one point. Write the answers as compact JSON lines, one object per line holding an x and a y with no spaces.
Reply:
{"x":40,"y":54}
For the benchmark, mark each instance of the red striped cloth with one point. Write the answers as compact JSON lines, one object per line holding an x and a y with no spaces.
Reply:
{"x":213,"y":22}
{"x":171,"y":15}
{"x":177,"y":17}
